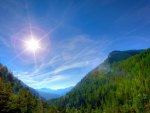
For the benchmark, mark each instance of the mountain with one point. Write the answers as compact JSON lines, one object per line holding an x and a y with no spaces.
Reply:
{"x":48,"y":94}
{"x":119,"y":85}
{"x":33,"y":91}
{"x":16,"y":97}
{"x":16,"y":83}
{"x":116,"y":56}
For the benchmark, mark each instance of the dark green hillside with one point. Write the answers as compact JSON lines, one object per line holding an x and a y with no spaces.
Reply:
{"x":123,"y":88}
{"x":14,"y":97}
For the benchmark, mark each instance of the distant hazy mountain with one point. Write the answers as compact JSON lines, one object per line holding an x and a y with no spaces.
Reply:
{"x":48,"y":94}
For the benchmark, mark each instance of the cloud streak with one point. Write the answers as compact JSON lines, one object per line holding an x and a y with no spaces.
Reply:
{"x":79,"y":52}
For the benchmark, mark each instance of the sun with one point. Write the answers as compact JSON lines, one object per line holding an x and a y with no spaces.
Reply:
{"x":32,"y":44}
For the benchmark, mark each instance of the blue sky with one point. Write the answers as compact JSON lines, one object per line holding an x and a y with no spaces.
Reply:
{"x":78,"y":36}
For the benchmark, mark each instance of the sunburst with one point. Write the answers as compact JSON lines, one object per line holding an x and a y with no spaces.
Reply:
{"x":32,"y":44}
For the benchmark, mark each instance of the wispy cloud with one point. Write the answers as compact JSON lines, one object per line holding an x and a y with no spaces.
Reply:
{"x":31,"y":81}
{"x":78,"y":52}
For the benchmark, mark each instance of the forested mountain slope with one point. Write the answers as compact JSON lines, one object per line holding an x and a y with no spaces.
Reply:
{"x":119,"y":85}
{"x":15,"y":97}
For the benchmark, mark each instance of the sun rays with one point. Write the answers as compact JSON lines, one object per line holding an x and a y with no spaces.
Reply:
{"x":32,"y":44}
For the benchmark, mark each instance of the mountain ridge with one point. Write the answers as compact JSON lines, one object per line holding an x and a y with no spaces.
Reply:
{"x":101,"y":90}
{"x":15,"y":96}
{"x":48,"y":94}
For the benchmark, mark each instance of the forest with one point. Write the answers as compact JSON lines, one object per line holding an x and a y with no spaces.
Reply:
{"x":121,"y":84}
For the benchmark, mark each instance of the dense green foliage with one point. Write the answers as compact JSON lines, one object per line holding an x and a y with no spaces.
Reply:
{"x":122,"y":86}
